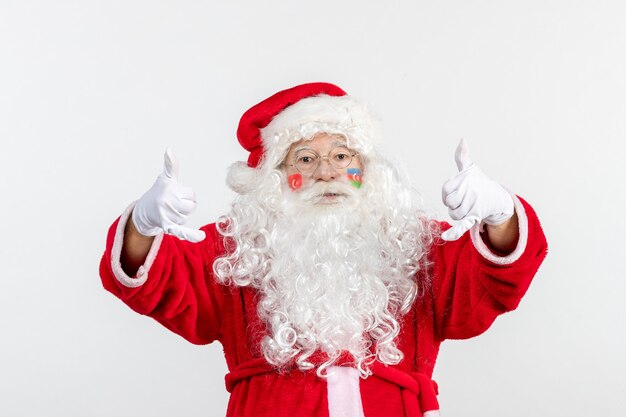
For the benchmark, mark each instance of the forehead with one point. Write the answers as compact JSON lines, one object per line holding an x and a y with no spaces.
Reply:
{"x":321,"y":141}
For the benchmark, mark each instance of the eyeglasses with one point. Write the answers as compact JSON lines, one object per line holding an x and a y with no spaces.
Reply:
{"x":307,"y":161}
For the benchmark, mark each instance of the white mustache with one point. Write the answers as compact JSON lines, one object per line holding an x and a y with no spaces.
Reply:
{"x":318,"y":191}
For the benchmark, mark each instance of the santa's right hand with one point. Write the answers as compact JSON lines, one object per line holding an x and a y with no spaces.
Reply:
{"x":166,"y":206}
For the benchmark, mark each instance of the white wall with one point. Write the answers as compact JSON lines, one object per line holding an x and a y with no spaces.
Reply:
{"x":91,"y":93}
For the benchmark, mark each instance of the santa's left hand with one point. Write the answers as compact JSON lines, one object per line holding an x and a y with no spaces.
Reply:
{"x":472,"y":197}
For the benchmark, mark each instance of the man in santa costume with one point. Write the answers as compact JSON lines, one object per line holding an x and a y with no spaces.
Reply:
{"x":328,"y":287}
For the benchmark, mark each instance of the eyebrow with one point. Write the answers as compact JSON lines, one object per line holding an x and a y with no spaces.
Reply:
{"x":335,"y":144}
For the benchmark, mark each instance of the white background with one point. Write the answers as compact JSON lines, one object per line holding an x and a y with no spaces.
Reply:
{"x":91,"y":93}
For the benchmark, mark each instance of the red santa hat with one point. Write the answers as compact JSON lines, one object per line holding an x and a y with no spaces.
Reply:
{"x":268,"y":128}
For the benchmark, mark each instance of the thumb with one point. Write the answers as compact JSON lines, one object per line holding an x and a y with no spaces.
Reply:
{"x":186,"y":233}
{"x":170,"y":166}
{"x":461,"y":156}
{"x":459,"y":228}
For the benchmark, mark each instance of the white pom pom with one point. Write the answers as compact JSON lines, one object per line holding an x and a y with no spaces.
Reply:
{"x":241,"y":178}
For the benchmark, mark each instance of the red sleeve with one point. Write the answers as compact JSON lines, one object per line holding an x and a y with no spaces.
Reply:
{"x":175,"y":286}
{"x":472,"y":285}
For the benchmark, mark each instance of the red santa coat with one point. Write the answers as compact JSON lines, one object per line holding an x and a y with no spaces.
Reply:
{"x":469,"y":286}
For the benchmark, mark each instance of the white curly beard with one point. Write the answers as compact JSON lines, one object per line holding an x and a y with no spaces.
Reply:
{"x":323,"y":289}
{"x":335,"y":273}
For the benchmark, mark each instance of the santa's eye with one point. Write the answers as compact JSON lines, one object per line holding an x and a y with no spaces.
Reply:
{"x":342,"y":156}
{"x":306,"y":159}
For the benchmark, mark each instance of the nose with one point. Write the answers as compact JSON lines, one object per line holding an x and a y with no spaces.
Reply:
{"x":325,"y":171}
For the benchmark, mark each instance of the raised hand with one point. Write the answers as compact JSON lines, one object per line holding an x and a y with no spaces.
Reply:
{"x":167,"y":205}
{"x":472,"y":197}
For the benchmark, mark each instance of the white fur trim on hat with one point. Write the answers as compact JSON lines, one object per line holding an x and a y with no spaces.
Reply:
{"x":328,"y":114}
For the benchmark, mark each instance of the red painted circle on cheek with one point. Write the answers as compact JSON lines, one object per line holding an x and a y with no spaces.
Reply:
{"x":295,"y":181}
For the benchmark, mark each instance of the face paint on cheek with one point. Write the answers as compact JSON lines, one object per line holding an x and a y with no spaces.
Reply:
{"x":355,"y":177}
{"x":295,"y":181}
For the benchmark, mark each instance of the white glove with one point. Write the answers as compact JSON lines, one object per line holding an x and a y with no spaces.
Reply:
{"x":166,"y":205}
{"x":471,"y":197}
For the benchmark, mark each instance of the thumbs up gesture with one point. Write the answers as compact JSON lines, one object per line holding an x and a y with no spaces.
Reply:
{"x":472,"y":197}
{"x":166,"y":205}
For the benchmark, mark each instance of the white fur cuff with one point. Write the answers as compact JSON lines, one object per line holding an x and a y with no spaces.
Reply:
{"x":482,"y":248}
{"x":116,"y":254}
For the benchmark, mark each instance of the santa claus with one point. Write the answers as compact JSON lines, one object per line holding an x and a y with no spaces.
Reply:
{"x":328,"y":287}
